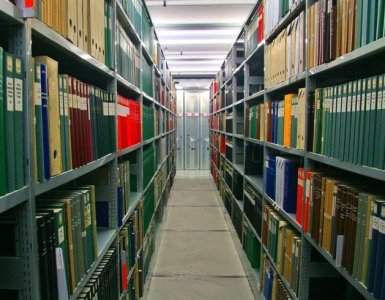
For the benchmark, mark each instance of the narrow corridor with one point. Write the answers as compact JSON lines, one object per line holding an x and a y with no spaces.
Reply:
{"x":197,"y":258}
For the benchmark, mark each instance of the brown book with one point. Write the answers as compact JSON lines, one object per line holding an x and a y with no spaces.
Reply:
{"x":322,"y":209}
{"x":317,"y":195}
{"x":332,"y":29}
{"x":265,"y":224}
{"x":338,"y":219}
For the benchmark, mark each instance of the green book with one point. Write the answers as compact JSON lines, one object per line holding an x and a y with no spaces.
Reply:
{"x":352,"y":133}
{"x":372,"y":20}
{"x":318,"y":116}
{"x":368,"y":104}
{"x":372,"y":123}
{"x":10,"y":122}
{"x":338,"y":112}
{"x":380,"y":19}
{"x":365,"y":23}
{"x":19,"y":123}
{"x":348,"y":125}
{"x":358,"y":24}
{"x":326,"y":124}
{"x":62,"y":124}
{"x":362,"y":114}
{"x":333,"y":121}
{"x":379,"y":150}
{"x":3,"y":173}
{"x":38,"y":120}
{"x":344,"y":100}
{"x":357,"y":122}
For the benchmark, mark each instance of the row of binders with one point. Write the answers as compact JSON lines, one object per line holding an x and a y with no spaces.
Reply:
{"x":254,"y":32}
{"x":103,"y":282}
{"x":74,"y":122}
{"x":279,"y":122}
{"x":86,"y":23}
{"x":284,"y":245}
{"x":11,"y":123}
{"x":129,"y":122}
{"x":128,"y":57}
{"x":275,"y":10}
{"x":285,"y":55}
{"x":346,"y":218}
{"x":349,"y":121}
{"x":67,"y":239}
{"x":339,"y":27}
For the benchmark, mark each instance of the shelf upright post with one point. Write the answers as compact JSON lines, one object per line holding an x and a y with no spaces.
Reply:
{"x":22,"y":46}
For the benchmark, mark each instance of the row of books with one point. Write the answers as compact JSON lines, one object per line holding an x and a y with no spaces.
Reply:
{"x":129,"y":122}
{"x":349,"y":121}
{"x":148,"y":207}
{"x":283,"y":244}
{"x":255,"y":122}
{"x":271,"y":285}
{"x":339,"y":27}
{"x":67,"y":239}
{"x":124,"y":189}
{"x":347,"y":220}
{"x":87,"y":24}
{"x":284,"y":56}
{"x":286,"y":120}
{"x":251,"y":246}
{"x":130,"y":241}
{"x":280,"y":182}
{"x":254,"y":32}
{"x":11,"y":123}
{"x":276,"y":10}
{"x":74,"y":122}
{"x":128,"y":57}
{"x":133,"y":9}
{"x":103,"y":282}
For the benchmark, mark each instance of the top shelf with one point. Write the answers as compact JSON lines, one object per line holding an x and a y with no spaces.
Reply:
{"x":10,"y":13}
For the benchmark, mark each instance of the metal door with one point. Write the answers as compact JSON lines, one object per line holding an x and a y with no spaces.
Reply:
{"x":204,"y":131}
{"x":192,"y":131}
{"x":179,"y":131}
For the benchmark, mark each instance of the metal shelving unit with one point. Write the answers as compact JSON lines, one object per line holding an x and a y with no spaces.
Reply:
{"x":310,"y":78}
{"x":23,"y":274}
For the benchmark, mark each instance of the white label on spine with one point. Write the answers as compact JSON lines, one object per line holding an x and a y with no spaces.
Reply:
{"x":382,"y":226}
{"x":37,"y":94}
{"x":60,"y":234}
{"x":10,"y":94}
{"x":18,"y":94}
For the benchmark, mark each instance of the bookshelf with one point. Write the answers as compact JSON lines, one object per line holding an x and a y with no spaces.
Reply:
{"x":27,"y":37}
{"x":361,"y":62}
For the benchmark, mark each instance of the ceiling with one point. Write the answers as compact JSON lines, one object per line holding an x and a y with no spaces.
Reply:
{"x":196,"y":35}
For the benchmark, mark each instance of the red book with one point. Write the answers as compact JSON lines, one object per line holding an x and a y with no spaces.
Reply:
{"x":261,"y":29}
{"x":299,"y":218}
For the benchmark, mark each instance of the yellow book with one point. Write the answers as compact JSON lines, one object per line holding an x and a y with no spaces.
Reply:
{"x":328,"y":214}
{"x":287,"y":120}
{"x":54,"y":113}
{"x":288,"y":254}
{"x":282,"y":227}
{"x":301,"y":119}
{"x":72,"y":21}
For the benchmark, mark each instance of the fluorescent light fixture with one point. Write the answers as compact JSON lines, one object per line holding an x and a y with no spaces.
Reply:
{"x":198,"y":2}
{"x":197,"y":42}
{"x":200,"y":33}
{"x":194,"y":63}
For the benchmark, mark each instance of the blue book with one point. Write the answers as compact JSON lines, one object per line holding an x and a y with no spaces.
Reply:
{"x":102,"y":214}
{"x":269,"y":278}
{"x":373,"y":246}
{"x":380,"y":258}
{"x":120,"y":206}
{"x":270,"y":176}
{"x":44,"y":103}
{"x":290,"y":186}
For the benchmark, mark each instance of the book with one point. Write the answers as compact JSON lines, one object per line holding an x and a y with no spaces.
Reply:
{"x":3,"y":171}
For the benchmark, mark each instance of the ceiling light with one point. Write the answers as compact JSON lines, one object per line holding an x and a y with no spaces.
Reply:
{"x":197,"y":42}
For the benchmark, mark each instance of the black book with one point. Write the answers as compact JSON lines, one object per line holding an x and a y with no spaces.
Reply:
{"x":43,"y":256}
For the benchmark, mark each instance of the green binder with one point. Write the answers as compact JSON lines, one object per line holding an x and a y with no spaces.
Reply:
{"x":10,"y":122}
{"x":358,"y":24}
{"x":365,"y":23}
{"x":362,"y":126}
{"x":380,"y":19}
{"x":19,"y":123}
{"x":3,"y":173}
{"x":318,"y":115}
{"x":352,"y":134}
{"x":357,"y":126}
{"x":372,"y":123}
{"x":337,"y":142}
{"x":39,"y":154}
{"x":372,"y":20}
{"x":333,"y":121}
{"x":326,"y":122}
{"x":368,"y":108}
{"x":348,"y":122}
{"x":380,"y":125}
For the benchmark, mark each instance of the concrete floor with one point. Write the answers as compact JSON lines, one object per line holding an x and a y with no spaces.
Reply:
{"x":197,"y":258}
